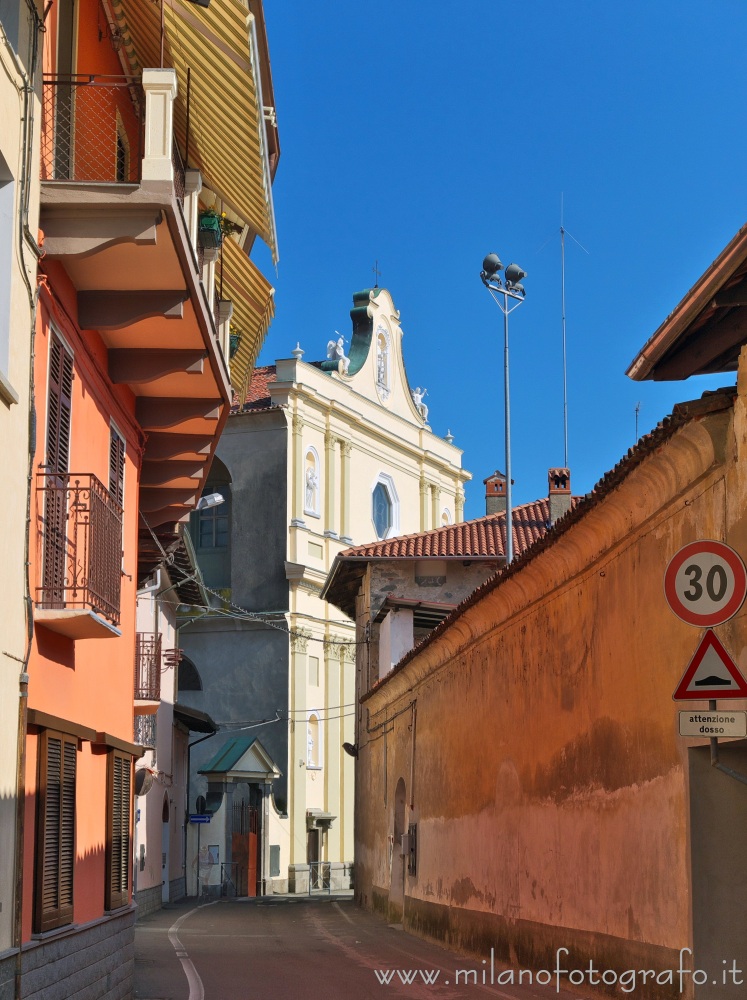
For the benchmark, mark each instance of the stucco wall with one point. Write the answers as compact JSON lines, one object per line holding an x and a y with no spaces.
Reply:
{"x":543,"y":766}
{"x":15,"y":358}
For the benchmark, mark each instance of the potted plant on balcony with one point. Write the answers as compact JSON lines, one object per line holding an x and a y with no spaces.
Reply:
{"x":210,"y":234}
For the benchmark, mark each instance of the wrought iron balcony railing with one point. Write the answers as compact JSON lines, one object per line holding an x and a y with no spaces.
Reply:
{"x":145,"y":731}
{"x":92,"y":129}
{"x":81,"y":536}
{"x":148,"y":666}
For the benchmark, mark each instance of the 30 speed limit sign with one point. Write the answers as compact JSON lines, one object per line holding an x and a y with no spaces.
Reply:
{"x":705,"y":583}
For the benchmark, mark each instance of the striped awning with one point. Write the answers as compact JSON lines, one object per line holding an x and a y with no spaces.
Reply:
{"x":217,"y":46}
{"x":253,"y":309}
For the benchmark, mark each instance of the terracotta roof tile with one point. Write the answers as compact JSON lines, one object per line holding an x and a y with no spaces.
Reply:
{"x":484,"y":536}
{"x":258,"y":391}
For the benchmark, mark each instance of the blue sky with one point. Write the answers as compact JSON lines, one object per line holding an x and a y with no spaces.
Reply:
{"x":427,"y":135}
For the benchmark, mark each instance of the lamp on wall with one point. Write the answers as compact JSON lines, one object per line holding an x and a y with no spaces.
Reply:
{"x":210,"y":500}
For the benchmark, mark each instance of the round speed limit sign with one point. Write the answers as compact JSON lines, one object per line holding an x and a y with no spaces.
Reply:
{"x":705,"y":583}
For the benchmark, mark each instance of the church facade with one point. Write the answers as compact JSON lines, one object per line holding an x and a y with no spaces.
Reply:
{"x":317,"y":457}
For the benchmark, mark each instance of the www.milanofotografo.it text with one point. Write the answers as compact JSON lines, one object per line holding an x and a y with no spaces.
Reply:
{"x":563,"y":975}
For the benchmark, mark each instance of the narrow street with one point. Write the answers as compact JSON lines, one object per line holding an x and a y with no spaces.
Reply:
{"x":303,"y":949}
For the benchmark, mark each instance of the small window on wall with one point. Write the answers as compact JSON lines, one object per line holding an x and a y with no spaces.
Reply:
{"x":311,"y":483}
{"x":314,"y":754}
{"x":382,"y":511}
{"x":412,"y":849}
{"x":446,"y":516}
{"x":385,"y":507}
{"x":213,"y":528}
{"x":210,"y":529}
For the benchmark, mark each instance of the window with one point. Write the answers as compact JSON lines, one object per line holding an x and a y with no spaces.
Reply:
{"x":55,"y":846}
{"x":382,"y":511}
{"x":213,"y":528}
{"x":412,"y":849}
{"x":118,"y":841}
{"x":314,"y":756}
{"x":116,"y":465}
{"x":446,"y":516}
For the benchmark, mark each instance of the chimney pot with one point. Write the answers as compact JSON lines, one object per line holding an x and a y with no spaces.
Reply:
{"x":559,"y":492}
{"x":495,"y":493}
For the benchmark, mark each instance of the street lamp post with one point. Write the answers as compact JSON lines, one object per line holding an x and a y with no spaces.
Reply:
{"x":502,"y":290}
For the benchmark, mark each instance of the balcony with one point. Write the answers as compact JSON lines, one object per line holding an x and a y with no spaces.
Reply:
{"x":147,"y":672}
{"x":81,"y":556}
{"x":119,"y":217}
{"x":92,"y":129}
{"x":145,"y":732}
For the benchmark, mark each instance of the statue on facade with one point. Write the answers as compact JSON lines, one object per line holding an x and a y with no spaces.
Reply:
{"x":312,"y":482}
{"x":336,"y":352}
{"x":417,"y":398}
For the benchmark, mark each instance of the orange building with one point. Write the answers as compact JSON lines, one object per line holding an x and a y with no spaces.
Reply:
{"x":144,"y":290}
{"x":523,"y":790}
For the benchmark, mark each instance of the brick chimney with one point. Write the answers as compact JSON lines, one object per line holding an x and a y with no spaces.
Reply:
{"x":495,"y":493}
{"x":559,"y":492}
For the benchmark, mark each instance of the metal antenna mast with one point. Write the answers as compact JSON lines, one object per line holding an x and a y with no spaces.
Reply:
{"x":563,"y":233}
{"x":565,"y":371}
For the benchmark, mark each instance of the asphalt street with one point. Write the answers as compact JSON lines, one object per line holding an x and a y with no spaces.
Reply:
{"x":302,"y":949}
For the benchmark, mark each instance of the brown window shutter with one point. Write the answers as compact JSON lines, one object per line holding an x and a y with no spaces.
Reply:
{"x":116,"y":466}
{"x":59,"y":405}
{"x":55,"y":848}
{"x":118,"y":841}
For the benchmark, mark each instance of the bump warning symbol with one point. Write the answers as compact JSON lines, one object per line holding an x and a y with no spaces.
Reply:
{"x":711,"y":673}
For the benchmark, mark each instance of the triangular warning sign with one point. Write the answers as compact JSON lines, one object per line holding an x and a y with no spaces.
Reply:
{"x":711,"y":674}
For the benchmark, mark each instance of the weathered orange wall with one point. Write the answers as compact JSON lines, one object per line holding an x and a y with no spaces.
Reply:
{"x":550,"y":785}
{"x":89,"y":681}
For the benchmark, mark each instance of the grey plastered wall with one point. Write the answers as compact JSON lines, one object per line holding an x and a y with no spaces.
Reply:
{"x":244,"y":670}
{"x":253,"y":449}
{"x":243,"y":664}
{"x":95,"y":961}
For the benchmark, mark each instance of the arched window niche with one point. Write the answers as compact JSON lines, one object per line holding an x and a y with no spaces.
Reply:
{"x":383,"y":364}
{"x":312,"y":483}
{"x":313,"y":742}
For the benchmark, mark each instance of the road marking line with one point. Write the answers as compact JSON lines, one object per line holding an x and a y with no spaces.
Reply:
{"x":196,"y":989}
{"x":342,"y":913}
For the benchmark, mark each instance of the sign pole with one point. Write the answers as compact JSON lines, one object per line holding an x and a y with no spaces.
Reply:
{"x":714,"y":739}
{"x":199,"y":829}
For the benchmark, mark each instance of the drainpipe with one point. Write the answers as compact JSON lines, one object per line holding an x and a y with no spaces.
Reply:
{"x":186,"y":800}
{"x":35,"y":26}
